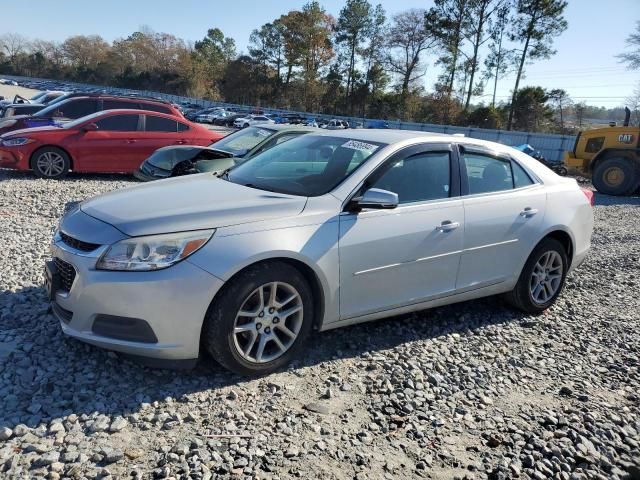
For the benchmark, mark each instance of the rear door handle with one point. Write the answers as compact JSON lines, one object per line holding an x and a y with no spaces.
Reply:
{"x":181,"y":142}
{"x":131,"y":140}
{"x":447,"y":226}
{"x":528,"y":212}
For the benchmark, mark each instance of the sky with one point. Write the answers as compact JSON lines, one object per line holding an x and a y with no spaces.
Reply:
{"x":585,"y":63}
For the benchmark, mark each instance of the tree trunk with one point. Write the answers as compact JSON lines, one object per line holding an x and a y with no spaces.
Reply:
{"x":520,"y":67}
{"x":474,"y":60}
{"x":498,"y":64}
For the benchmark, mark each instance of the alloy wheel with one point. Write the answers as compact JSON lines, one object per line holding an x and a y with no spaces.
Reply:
{"x":50,"y":164}
{"x":546,"y":277}
{"x":268,"y":322}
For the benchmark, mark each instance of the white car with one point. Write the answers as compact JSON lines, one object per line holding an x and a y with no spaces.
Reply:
{"x":321,"y":231}
{"x":209,"y":117}
{"x":252,"y":120}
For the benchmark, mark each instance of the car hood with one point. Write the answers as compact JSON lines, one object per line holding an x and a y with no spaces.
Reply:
{"x":194,"y":202}
{"x":168,"y":157}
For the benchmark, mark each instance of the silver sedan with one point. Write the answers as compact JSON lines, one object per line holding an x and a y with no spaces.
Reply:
{"x":323,"y":231}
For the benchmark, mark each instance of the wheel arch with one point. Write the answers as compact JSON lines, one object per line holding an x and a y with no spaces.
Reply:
{"x":308,"y":272}
{"x":32,"y":158}
{"x":632,"y":154}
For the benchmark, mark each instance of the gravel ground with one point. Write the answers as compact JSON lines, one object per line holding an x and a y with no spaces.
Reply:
{"x":473,"y":390}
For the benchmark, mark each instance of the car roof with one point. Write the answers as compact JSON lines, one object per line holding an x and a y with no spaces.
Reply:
{"x":389,"y":136}
{"x":137,"y":111}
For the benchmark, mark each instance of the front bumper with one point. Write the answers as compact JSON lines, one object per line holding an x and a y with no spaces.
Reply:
{"x":148,"y":173}
{"x":12,"y":159}
{"x":173,"y":302}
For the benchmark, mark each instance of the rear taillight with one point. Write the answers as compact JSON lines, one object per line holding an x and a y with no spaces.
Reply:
{"x":590,"y":196}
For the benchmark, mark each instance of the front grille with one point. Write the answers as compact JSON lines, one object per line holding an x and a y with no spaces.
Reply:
{"x":78,"y":244}
{"x":67,"y":273}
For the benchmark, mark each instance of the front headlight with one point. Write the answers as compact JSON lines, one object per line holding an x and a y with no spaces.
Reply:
{"x":154,"y":252}
{"x":14,"y":142}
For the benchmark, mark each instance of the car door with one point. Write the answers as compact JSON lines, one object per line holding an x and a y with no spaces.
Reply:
{"x":110,"y":147}
{"x":410,"y":254}
{"x":159,"y":131}
{"x":504,"y":206}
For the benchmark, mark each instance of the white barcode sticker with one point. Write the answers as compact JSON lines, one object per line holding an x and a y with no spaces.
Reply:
{"x":362,"y":146}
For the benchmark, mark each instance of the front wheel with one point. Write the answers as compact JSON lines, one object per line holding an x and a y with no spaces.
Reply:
{"x":616,"y":176}
{"x":542,"y":278}
{"x":261,"y":320}
{"x":50,"y":162}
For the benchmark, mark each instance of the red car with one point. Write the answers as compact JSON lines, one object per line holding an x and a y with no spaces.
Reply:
{"x":107,"y":141}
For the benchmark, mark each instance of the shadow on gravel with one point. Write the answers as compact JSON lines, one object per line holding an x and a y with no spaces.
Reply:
{"x":608,"y":200}
{"x":44,"y":375}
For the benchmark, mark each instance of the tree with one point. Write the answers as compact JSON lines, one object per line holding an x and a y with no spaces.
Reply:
{"x":451,"y":18}
{"x":85,"y":52}
{"x":266,"y":46}
{"x":579,"y":110}
{"x":307,"y":35}
{"x":409,"y":37}
{"x":500,"y":59}
{"x":354,"y":25}
{"x":633,"y":102}
{"x":632,"y":58}
{"x":532,"y":112}
{"x":14,"y":45}
{"x":476,"y":30}
{"x":213,"y":54}
{"x":562,"y":100}
{"x":536,"y":24}
{"x":485,"y":117}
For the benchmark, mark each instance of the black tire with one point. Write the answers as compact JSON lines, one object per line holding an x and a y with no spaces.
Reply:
{"x":521,"y":296}
{"x":62,"y":163}
{"x":219,"y":323}
{"x":616,"y":176}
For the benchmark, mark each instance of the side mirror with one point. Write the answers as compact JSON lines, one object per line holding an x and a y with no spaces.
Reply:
{"x":90,"y":127}
{"x":375,"y":198}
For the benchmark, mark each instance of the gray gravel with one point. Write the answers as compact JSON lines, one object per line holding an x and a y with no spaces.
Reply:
{"x":468,"y":391}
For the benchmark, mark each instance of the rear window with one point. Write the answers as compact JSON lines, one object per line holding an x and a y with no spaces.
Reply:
{"x":118,"y":123}
{"x":160,"y":124}
{"x":72,"y":108}
{"x":154,"y":107}
{"x":118,"y":104}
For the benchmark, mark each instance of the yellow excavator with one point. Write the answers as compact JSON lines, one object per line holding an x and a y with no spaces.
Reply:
{"x":610,"y":156}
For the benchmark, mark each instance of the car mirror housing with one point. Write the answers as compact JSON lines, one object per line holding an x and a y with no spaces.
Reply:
{"x":90,"y":127}
{"x":375,"y":198}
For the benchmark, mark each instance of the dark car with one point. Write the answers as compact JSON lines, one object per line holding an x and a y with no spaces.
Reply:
{"x":219,"y":156}
{"x":14,"y":109}
{"x":80,"y":106}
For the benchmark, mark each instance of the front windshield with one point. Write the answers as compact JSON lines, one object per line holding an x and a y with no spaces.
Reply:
{"x":310,"y":165}
{"x":241,"y":142}
{"x":37,"y":96}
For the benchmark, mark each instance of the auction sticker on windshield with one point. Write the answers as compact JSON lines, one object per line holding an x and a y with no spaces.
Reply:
{"x":362,"y":146}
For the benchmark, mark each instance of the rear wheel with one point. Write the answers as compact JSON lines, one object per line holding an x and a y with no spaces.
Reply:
{"x":50,"y":162}
{"x":616,"y":176}
{"x":542,"y":278}
{"x":261,"y":320}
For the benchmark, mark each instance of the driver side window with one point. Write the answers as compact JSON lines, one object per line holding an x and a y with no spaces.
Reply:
{"x":418,"y":178}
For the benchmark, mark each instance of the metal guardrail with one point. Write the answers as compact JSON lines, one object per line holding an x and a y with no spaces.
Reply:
{"x":552,"y":146}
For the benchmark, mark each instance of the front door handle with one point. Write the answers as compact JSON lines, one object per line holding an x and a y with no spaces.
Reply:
{"x":181,"y":142}
{"x":131,"y":140}
{"x":528,"y":212}
{"x":447,"y":226}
